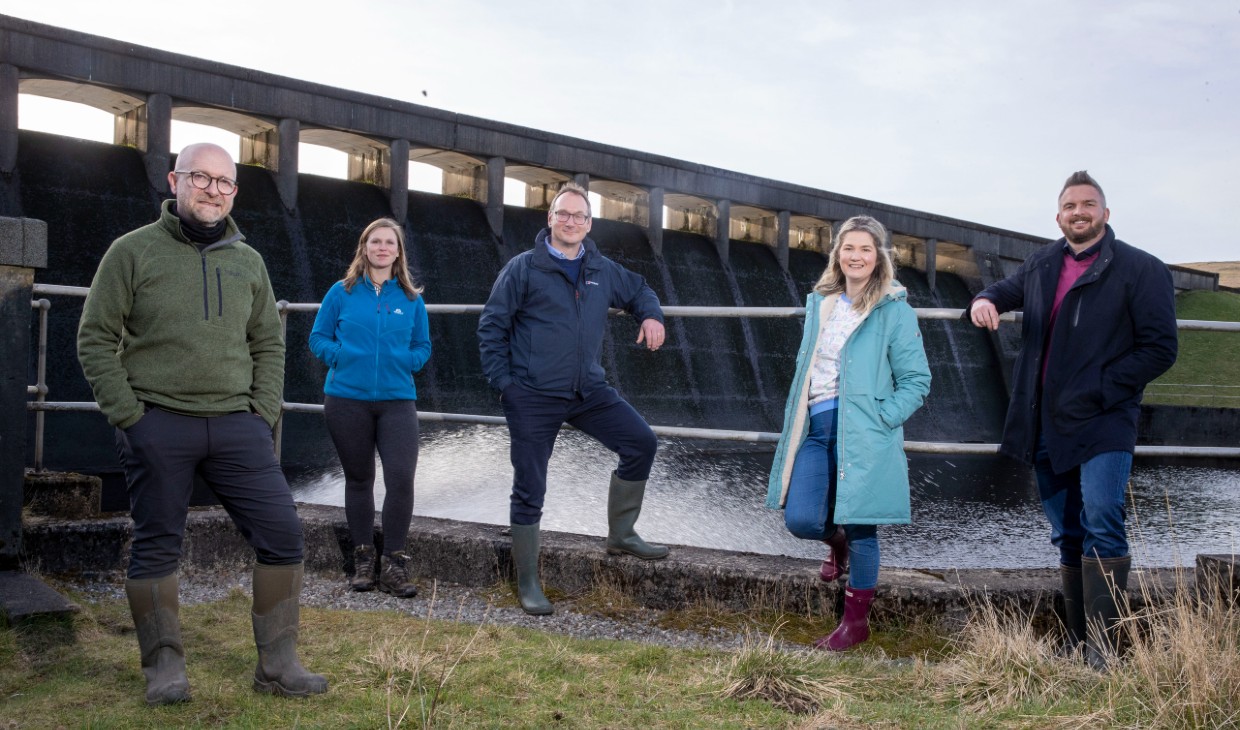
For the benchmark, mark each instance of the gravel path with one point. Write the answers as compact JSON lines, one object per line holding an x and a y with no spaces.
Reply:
{"x":472,"y":605}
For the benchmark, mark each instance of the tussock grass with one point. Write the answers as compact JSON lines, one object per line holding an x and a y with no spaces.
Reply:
{"x":1182,"y":667}
{"x":794,"y":681}
{"x":1001,"y":662}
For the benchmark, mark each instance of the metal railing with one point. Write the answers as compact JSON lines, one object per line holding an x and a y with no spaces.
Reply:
{"x":40,"y":404}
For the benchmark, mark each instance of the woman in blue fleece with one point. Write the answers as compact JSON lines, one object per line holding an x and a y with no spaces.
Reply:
{"x":372,"y":333}
{"x":840,"y":469}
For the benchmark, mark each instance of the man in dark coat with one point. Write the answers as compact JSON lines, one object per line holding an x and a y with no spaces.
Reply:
{"x":1099,"y":323}
{"x":541,"y":339}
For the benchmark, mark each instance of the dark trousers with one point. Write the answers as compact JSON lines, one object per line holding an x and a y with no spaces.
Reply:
{"x":236,"y":457}
{"x":534,"y":421}
{"x":359,"y":428}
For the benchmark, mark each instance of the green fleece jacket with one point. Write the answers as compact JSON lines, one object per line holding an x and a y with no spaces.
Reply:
{"x":192,"y":331}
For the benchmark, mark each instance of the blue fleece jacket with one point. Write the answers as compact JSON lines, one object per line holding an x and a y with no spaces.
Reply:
{"x":373,"y":343}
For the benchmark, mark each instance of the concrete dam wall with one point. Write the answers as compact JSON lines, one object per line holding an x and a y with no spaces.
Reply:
{"x":714,"y":372}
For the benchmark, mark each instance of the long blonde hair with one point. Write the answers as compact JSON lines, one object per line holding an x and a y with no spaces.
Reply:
{"x":832,"y":280}
{"x":400,"y":267}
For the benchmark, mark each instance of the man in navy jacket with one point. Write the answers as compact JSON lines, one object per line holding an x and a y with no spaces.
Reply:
{"x":541,"y":338}
{"x":1099,"y":323}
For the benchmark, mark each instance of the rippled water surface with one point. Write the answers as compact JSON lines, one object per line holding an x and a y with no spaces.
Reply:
{"x":968,"y":512}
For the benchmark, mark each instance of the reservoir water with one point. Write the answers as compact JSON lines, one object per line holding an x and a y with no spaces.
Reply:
{"x":968,"y":512}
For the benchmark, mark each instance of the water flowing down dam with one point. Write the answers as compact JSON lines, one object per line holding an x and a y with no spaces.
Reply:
{"x":714,"y":372}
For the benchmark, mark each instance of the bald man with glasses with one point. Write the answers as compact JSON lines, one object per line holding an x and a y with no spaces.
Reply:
{"x":180,"y":340}
{"x":541,"y":336}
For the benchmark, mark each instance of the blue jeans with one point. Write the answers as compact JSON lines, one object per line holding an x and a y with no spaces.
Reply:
{"x":810,"y":507}
{"x":1085,"y":505}
{"x":534,"y":422}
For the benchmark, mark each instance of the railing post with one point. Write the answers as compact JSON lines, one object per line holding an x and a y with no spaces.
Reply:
{"x":277,"y":432}
{"x":23,"y":248}
{"x":40,"y":385}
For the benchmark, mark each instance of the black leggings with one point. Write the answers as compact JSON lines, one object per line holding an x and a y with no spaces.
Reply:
{"x":357,"y":428}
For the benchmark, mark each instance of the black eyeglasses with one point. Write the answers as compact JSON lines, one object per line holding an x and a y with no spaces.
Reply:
{"x":202,"y":181}
{"x":563,"y":216}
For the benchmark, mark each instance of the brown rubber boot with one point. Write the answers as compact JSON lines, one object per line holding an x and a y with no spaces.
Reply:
{"x":155,"y":607}
{"x":394,"y":577}
{"x":363,"y":568}
{"x":276,"y":614}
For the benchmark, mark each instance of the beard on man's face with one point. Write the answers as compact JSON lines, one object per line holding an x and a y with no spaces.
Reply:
{"x":1085,"y":235}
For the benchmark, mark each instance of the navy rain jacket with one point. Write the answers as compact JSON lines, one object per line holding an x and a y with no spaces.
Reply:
{"x":1115,"y":332}
{"x":544,"y":331}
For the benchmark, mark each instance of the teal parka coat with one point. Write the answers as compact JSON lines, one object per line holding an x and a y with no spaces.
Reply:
{"x":884,"y":378}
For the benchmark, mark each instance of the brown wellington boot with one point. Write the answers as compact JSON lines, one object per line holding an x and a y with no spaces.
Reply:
{"x":154,"y":605}
{"x":276,"y":614}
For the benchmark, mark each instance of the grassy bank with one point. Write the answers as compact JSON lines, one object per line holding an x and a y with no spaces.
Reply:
{"x":394,"y":670}
{"x":1207,"y":372}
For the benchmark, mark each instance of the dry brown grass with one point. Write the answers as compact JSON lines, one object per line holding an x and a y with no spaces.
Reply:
{"x":1001,"y":662}
{"x":1228,"y":271}
{"x":1182,"y":668}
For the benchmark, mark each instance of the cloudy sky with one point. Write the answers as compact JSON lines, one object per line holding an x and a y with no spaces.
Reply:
{"x":977,"y":110}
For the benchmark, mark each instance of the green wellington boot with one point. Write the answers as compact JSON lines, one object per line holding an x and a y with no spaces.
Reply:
{"x":624,"y":504}
{"x":154,"y":605}
{"x":1104,"y":583}
{"x":276,"y":614}
{"x":525,"y":560}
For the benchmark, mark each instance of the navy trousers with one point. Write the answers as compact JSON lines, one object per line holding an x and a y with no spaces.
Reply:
{"x":534,"y":421}
{"x":235,"y":455}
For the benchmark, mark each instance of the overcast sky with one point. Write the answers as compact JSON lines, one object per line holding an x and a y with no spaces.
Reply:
{"x":976,"y":110}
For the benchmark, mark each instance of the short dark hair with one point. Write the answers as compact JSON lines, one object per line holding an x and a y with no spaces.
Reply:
{"x":1082,"y":177}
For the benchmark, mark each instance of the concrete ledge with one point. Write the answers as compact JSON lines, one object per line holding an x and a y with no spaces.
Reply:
{"x":67,"y":495}
{"x":479,"y":555}
{"x":1219,"y":577}
{"x":24,"y":598}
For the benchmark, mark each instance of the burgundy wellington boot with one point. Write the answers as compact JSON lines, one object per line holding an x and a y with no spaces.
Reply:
{"x":836,"y":563}
{"x":854,"y":628}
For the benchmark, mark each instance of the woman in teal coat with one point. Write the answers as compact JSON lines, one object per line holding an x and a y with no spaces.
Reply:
{"x":840,"y":469}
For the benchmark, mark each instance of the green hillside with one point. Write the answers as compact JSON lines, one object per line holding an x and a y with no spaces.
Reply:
{"x":1207,"y":372}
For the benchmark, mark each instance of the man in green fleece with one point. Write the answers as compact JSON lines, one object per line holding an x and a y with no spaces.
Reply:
{"x":180,"y":341}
